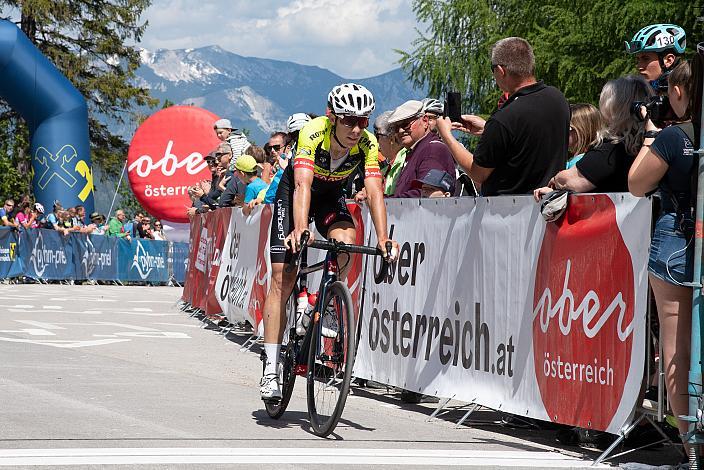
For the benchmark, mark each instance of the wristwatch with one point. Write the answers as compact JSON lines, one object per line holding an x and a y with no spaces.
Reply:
{"x":651,"y":134}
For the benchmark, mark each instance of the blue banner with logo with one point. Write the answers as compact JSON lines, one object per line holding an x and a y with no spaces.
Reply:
{"x":47,"y":254}
{"x":10,"y":261}
{"x":180,"y":261}
{"x":50,"y":255}
{"x":143,"y":260}
{"x":95,"y":257}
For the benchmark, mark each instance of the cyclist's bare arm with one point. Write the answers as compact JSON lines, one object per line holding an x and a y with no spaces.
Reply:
{"x":375,"y":200}
{"x":303,"y":180}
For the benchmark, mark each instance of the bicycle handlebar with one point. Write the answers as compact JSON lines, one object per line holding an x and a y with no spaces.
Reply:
{"x":336,"y":246}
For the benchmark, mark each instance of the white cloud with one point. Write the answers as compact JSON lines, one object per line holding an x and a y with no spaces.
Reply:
{"x":353,"y":39}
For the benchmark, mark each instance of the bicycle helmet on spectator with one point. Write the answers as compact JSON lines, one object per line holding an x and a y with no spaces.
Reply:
{"x":658,"y":38}
{"x":431,"y":105}
{"x":350,"y":99}
{"x":39,"y":208}
{"x":296,"y":121}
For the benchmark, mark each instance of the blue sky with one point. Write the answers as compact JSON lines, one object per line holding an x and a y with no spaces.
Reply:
{"x":354,"y":39}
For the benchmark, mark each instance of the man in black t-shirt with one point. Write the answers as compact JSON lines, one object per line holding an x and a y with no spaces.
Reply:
{"x":524,"y":143}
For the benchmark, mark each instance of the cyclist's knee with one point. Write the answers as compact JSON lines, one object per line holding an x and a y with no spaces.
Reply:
{"x":281,"y":280}
{"x":344,"y":232}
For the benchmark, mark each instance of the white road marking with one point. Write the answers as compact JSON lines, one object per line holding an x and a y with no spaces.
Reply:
{"x":23,"y":310}
{"x":123,"y":325}
{"x":154,"y":334}
{"x":82,"y":299}
{"x":170,"y":302}
{"x":177,"y":324}
{"x":41,"y":324}
{"x":23,"y":306}
{"x":105,"y":336}
{"x":52,"y":307}
{"x":299,"y":456}
{"x":31,"y":332}
{"x":146,"y":314}
{"x":141,"y":309}
{"x":64,"y":344}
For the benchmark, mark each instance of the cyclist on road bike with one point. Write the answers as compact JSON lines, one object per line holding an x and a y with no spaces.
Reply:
{"x":658,"y":48}
{"x":330,"y":149}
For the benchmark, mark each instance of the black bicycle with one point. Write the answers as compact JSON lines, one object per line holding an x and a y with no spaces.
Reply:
{"x":325,"y":361}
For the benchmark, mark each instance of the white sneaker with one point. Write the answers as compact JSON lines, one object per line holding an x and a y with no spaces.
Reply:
{"x":329,"y":328}
{"x":269,"y":388}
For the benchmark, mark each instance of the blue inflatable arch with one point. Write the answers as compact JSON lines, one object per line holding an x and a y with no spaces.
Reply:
{"x":57,"y":116}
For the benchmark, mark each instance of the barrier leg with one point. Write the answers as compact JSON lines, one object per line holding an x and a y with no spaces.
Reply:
{"x":441,"y":404}
{"x":665,"y":439}
{"x":247,"y":346}
{"x":622,"y":435}
{"x":471,"y":410}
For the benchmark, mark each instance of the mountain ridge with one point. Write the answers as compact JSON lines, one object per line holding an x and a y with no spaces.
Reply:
{"x":255,"y":93}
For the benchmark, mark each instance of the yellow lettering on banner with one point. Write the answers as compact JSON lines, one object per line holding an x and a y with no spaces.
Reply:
{"x":84,"y":170}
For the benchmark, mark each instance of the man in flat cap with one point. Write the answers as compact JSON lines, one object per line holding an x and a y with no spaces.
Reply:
{"x":425,"y":149}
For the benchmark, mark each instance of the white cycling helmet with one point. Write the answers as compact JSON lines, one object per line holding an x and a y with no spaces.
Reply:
{"x":39,"y":208}
{"x":431,"y":105}
{"x":350,"y":99}
{"x":296,"y":121}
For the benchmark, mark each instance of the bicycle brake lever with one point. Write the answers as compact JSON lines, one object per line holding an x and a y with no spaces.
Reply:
{"x":296,"y":261}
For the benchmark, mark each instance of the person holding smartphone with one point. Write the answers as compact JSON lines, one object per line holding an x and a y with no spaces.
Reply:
{"x":524,"y":142}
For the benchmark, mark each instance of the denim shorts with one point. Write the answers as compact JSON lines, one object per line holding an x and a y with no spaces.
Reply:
{"x":671,"y":250}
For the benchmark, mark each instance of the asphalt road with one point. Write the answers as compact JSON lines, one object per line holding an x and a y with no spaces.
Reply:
{"x":92,"y":376}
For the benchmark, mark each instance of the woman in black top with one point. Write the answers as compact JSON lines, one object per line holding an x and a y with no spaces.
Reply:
{"x":666,"y":163}
{"x":604,"y":167}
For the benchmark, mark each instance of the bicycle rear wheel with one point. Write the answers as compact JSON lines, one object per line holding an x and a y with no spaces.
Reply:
{"x":330,"y":362}
{"x":287,"y":364}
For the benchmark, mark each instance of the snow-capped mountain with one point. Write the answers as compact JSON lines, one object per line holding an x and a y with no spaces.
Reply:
{"x":255,"y":94}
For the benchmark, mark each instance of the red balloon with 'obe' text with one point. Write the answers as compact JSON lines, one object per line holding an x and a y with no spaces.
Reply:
{"x":166,"y":157}
{"x":583,"y":311}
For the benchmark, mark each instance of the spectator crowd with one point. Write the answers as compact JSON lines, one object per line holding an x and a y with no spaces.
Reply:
{"x":640,"y":139}
{"x":28,"y":215}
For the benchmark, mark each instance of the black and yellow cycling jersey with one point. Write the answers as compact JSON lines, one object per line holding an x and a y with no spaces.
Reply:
{"x":313,"y":153}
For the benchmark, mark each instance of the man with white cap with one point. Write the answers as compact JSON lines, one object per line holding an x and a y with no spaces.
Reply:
{"x":425,"y":149}
{"x":238,"y":142}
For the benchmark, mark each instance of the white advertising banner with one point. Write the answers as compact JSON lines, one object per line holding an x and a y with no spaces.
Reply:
{"x":490,"y":304}
{"x":243,"y":279}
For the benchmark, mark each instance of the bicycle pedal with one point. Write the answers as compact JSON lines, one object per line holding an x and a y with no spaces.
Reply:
{"x":301,"y":369}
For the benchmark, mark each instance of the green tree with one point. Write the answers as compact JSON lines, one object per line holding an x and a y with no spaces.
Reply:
{"x":578,"y":44}
{"x":89,"y":41}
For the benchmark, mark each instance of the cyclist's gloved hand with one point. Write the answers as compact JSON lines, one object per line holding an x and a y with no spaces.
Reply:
{"x":394,"y":249}
{"x":293,"y":241}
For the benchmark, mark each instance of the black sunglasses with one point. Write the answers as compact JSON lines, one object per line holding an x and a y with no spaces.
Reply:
{"x":493,"y":67}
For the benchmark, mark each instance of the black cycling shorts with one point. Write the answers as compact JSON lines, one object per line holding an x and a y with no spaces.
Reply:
{"x":326,"y":209}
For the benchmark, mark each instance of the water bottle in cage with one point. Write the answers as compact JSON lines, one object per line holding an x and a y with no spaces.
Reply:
{"x":305,"y":303}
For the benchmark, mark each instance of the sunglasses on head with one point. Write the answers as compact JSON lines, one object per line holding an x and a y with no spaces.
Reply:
{"x":351,"y":121}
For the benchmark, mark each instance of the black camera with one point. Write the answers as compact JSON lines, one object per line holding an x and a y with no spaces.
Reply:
{"x":658,"y":109}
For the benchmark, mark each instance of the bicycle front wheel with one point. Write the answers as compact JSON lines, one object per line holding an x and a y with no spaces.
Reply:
{"x":330,"y":360}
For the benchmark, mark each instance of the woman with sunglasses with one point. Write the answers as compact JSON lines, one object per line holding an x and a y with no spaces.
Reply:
{"x":158,"y":231}
{"x":330,"y":149}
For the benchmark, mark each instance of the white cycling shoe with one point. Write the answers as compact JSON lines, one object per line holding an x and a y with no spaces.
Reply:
{"x":329,"y":327}
{"x":269,"y":388}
